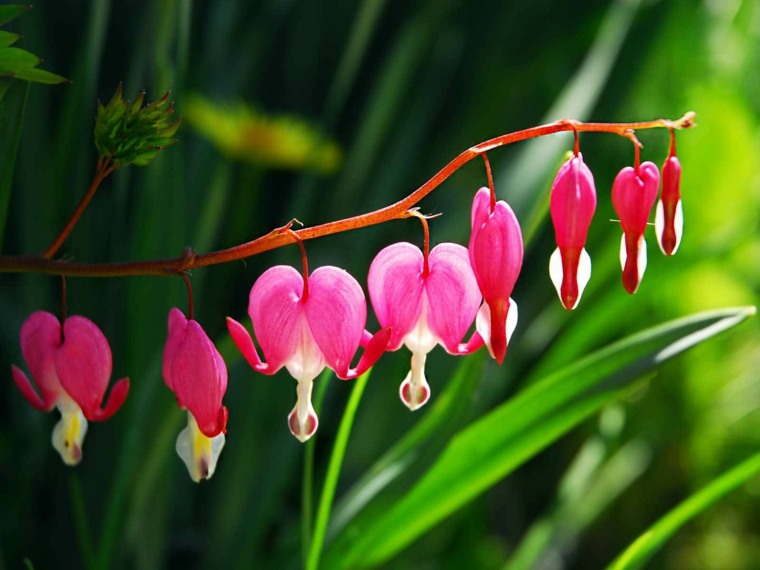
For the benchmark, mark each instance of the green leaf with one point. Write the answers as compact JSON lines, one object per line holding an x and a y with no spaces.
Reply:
{"x":38,"y":76}
{"x":494,"y":446}
{"x":8,"y":13}
{"x":14,"y":59}
{"x":7,"y":39}
{"x":636,"y":555}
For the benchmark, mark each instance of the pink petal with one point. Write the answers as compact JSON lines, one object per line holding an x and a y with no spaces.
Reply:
{"x":633,"y":195}
{"x":395,"y":288}
{"x":84,"y":364}
{"x":243,"y":341}
{"x":373,"y":350}
{"x":481,"y":208}
{"x":496,"y":253}
{"x":275,"y":308}
{"x":177,"y":325}
{"x":669,"y":218}
{"x":573,"y":202}
{"x":453,"y":294}
{"x":199,"y":377}
{"x":336,"y":312}
{"x":116,"y":398}
{"x":40,"y":339}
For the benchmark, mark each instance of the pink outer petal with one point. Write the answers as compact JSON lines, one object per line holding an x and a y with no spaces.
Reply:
{"x":373,"y":350}
{"x":275,"y":308}
{"x":243,"y":341}
{"x":633,"y":196}
{"x":40,"y":339}
{"x":336,"y":312}
{"x":117,"y":397}
{"x":177,"y":325}
{"x":481,"y":208}
{"x":573,"y":202}
{"x":496,"y":252}
{"x":84,"y":364}
{"x":395,"y":289}
{"x":199,"y":377}
{"x":453,"y":294}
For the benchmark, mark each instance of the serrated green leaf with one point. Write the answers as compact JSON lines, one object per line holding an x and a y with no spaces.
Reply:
{"x":39,"y":76}
{"x":7,"y":39}
{"x":494,"y":446}
{"x":8,"y":13}
{"x":13,"y":59}
{"x":637,"y":554}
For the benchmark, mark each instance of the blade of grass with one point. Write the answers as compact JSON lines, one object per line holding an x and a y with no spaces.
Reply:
{"x":637,"y":554}
{"x":80,"y":521}
{"x":333,"y":471}
{"x":307,"y":485}
{"x":492,"y":447}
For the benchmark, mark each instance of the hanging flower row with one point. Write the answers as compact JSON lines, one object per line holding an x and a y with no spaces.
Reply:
{"x":307,"y":321}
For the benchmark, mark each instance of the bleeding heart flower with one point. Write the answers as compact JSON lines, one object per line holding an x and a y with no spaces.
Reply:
{"x":573,"y":202}
{"x":668,"y":219}
{"x":424,"y":308}
{"x":305,"y":326}
{"x":194,"y":370}
{"x":496,"y":254}
{"x":634,"y":192}
{"x":71,"y":366}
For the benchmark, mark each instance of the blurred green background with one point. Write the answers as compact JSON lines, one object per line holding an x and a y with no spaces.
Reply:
{"x":384,"y":93}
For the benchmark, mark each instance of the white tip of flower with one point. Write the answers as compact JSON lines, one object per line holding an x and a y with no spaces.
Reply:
{"x":414,"y":390}
{"x":623,"y":252}
{"x":199,"y":453}
{"x":659,"y":226}
{"x":584,"y":274}
{"x":302,"y":420}
{"x":69,"y":432}
{"x":483,"y":323}
{"x":642,"y":264}
{"x":555,"y":271}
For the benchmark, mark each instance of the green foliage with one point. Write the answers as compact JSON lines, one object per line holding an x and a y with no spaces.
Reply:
{"x":128,"y":133}
{"x":19,"y":63}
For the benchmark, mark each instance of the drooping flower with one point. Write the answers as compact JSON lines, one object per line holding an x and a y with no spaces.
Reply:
{"x":634,"y":192}
{"x":194,"y":370}
{"x":305,"y":326}
{"x":424,"y":308}
{"x":573,"y":202}
{"x":668,"y":219}
{"x":71,"y":367}
{"x":496,"y":254}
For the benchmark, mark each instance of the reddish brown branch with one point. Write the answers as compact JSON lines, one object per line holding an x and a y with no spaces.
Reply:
{"x":284,"y":235}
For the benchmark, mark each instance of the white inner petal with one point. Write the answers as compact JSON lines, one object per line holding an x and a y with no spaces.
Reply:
{"x":623,"y":252}
{"x":584,"y":274}
{"x":307,"y":361}
{"x":642,"y":261}
{"x":659,"y":223}
{"x":199,"y":453}
{"x":415,"y":383}
{"x":678,"y":224}
{"x":421,"y":338}
{"x":69,"y":432}
{"x":555,"y":271}
{"x":483,"y":323}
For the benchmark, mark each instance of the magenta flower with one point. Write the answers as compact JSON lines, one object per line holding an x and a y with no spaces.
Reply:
{"x":424,"y":306}
{"x":496,"y":254}
{"x":634,"y":192}
{"x":573,"y":202}
{"x":71,"y":366}
{"x":668,"y":219}
{"x":194,"y":370}
{"x":305,"y":326}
